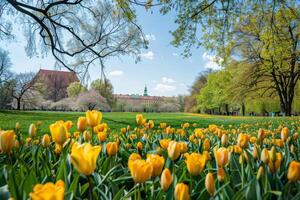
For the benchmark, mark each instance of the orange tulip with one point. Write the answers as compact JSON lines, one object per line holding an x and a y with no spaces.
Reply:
{"x":112,"y":148}
{"x":210,"y":184}
{"x":221,"y":156}
{"x":166,"y":179}
{"x":181,"y":192}
{"x":195,"y":163}
{"x":173,"y":150}
{"x":294,"y":171}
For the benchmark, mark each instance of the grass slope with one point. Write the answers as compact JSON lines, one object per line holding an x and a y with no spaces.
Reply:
{"x":116,"y":120}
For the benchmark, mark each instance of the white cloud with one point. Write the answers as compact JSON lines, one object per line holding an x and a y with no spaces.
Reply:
{"x":167,"y":80}
{"x":149,"y":55}
{"x":164,"y":88}
{"x":212,"y":61}
{"x":175,"y":54}
{"x":150,"y":37}
{"x":116,"y":73}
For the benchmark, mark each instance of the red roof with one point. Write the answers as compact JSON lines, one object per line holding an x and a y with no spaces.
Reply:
{"x":48,"y":76}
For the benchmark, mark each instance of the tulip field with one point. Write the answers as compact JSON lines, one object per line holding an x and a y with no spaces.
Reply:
{"x":94,"y":155}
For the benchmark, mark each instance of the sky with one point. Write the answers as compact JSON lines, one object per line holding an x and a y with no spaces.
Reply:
{"x":162,"y":69}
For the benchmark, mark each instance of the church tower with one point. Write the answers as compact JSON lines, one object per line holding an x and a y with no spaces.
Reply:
{"x":145,"y":91}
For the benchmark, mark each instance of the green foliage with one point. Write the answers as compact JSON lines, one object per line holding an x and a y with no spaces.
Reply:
{"x":105,"y":89}
{"x":75,"y":89}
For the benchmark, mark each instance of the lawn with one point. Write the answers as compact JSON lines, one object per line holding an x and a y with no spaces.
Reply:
{"x":117,"y":120}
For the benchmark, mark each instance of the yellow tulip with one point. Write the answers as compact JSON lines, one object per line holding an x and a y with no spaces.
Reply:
{"x":163,"y":125}
{"x":255,"y":152}
{"x":112,"y":148}
{"x":46,"y":140}
{"x":166,"y":179}
{"x":139,"y":146}
{"x":173,"y":150}
{"x":18,"y":126}
{"x":224,"y":139}
{"x":260,"y":172}
{"x":139,"y":119}
{"x":212,"y":128}
{"x":68,"y":124}
{"x":206,"y":145}
{"x":243,"y":140}
{"x":102,"y":136}
{"x":140,"y":170}
{"x":133,"y":157}
{"x":86,"y":136}
{"x":274,"y":164}
{"x":264,"y":156}
{"x":59,"y":132}
{"x":261,"y":134}
{"x":221,"y":156}
{"x":181,"y":192}
{"x":123,"y":130}
{"x":157,"y":163}
{"x":195,"y":163}
{"x":210,"y":184}
{"x":48,"y":191}
{"x":84,"y":157}
{"x":186,"y":125}
{"x":32,"y":130}
{"x":17,"y":144}
{"x":237,"y":149}
{"x":183,"y":147}
{"x":82,"y":123}
{"x":100,"y":128}
{"x":150,"y":124}
{"x":164,"y":143}
{"x":7,"y":141}
{"x":93,"y":117}
{"x":294,"y":171}
{"x":284,"y":134}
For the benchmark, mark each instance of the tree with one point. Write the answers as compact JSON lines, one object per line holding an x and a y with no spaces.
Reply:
{"x":5,"y":64}
{"x":105,"y":89}
{"x":23,"y":86}
{"x":76,"y":32}
{"x":90,"y":100}
{"x":75,"y":89}
{"x":267,"y":44}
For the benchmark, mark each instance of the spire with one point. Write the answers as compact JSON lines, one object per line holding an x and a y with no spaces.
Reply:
{"x":145,"y":91}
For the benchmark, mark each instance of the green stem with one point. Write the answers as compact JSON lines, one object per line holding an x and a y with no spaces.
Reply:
{"x":242,"y":174}
{"x":139,"y":192}
{"x":90,"y":188}
{"x":152,"y":192}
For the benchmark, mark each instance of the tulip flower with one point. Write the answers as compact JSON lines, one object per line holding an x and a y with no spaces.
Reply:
{"x":275,"y":161}
{"x":293,"y":173}
{"x":224,"y":139}
{"x":181,"y":192}
{"x":150,"y":124}
{"x":221,"y":174}
{"x":261,"y":134}
{"x":86,"y":136}
{"x":46,"y":140}
{"x":7,"y":141}
{"x":195,"y":163}
{"x":284,"y":134}
{"x":183,"y":147}
{"x":123,"y":130}
{"x":166,"y":179}
{"x":139,"y":119}
{"x":48,"y":191}
{"x":59,"y":132}
{"x":102,"y":136}
{"x":221,"y":156}
{"x":82,"y":124}
{"x":141,"y":170}
{"x":18,"y":126}
{"x":139,"y":146}
{"x":17,"y":144}
{"x":163,"y":125}
{"x":243,"y":140}
{"x":210,"y":184}
{"x":206,"y":145}
{"x":173,"y":150}
{"x":264,"y":156}
{"x":164,"y":143}
{"x":112,"y":148}
{"x":32,"y":130}
{"x":260,"y":172}
{"x":157,"y":163}
{"x":133,"y":157}
{"x":84,"y":157}
{"x":93,"y":117}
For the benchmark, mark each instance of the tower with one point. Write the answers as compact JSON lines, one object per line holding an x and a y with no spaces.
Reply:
{"x":145,"y":91}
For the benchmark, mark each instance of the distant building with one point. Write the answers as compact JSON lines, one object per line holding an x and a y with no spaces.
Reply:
{"x":55,"y":83}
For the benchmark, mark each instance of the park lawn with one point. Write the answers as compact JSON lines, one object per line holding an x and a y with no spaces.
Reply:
{"x":117,"y":120}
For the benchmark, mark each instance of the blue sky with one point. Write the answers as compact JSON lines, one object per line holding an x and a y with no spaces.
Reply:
{"x":162,"y":69}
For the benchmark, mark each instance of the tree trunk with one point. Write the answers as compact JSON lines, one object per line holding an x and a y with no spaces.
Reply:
{"x":18,"y":104}
{"x":243,"y":109}
{"x":227,"y":109}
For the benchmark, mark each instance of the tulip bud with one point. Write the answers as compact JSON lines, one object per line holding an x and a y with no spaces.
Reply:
{"x":284,"y":134}
{"x":260,"y":172}
{"x":181,"y":192}
{"x":81,"y":123}
{"x":273,"y":154}
{"x":206,"y":145}
{"x":210,"y":184}
{"x":123,"y":130}
{"x":255,"y":152}
{"x":139,"y":146}
{"x":224,"y":139}
{"x":173,"y":150}
{"x":241,"y":159}
{"x":46,"y":140}
{"x":294,"y":171}
{"x":17,"y":144}
{"x":86,"y":136}
{"x":261,"y":134}
{"x":112,"y":148}
{"x":264,"y":156}
{"x":102,"y":136}
{"x":7,"y":141}
{"x":292,"y":148}
{"x":221,"y":174}
{"x":32,"y":130}
{"x":166,"y":179}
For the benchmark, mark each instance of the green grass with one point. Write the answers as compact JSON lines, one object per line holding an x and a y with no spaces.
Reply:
{"x":116,"y":120}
